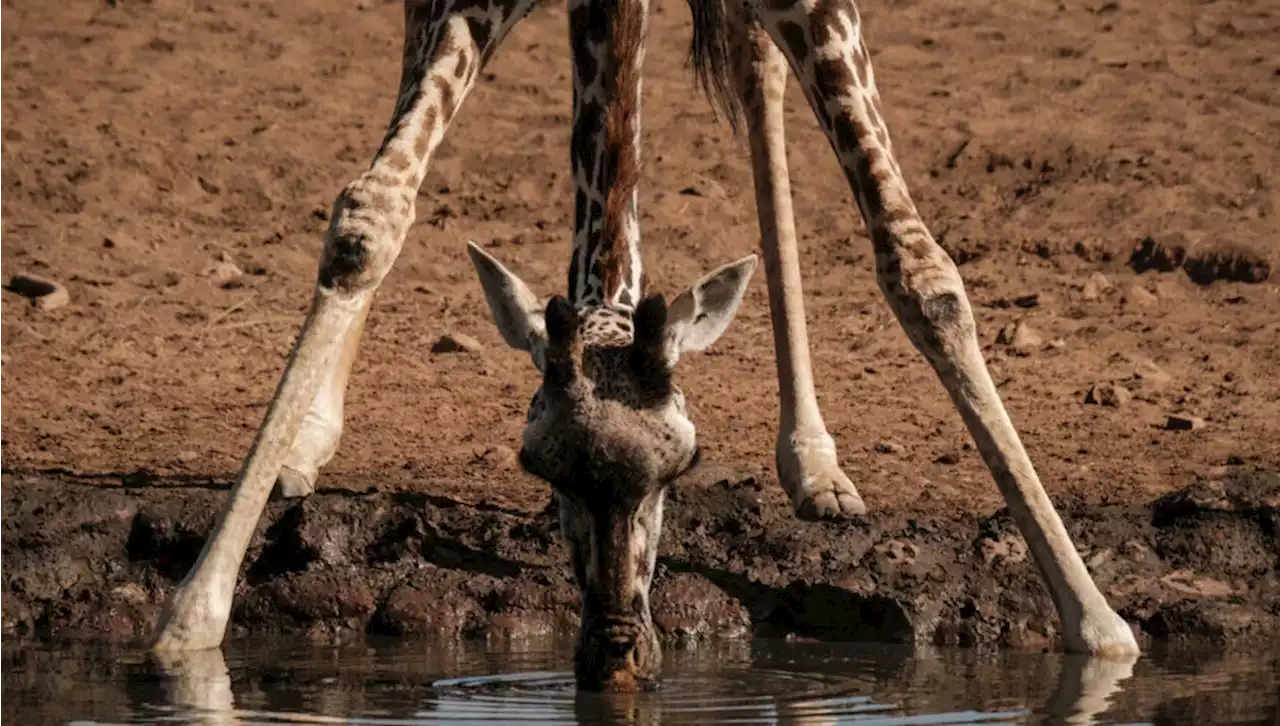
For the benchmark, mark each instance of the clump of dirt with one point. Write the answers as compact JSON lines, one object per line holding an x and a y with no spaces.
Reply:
{"x":1203,"y":263}
{"x":92,"y":561}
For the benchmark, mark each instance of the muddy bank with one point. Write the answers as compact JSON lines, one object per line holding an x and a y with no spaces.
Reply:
{"x":88,"y":561}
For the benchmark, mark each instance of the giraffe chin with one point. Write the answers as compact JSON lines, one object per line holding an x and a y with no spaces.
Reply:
{"x":607,"y":663}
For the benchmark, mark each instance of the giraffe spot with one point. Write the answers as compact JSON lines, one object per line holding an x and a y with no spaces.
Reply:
{"x":398,"y":161}
{"x":585,"y":64}
{"x":463,"y":65}
{"x":595,"y":212}
{"x":585,"y":142}
{"x":598,"y":21}
{"x":379,"y":178}
{"x":846,"y":134}
{"x":579,"y":210}
{"x":825,"y":22}
{"x":834,"y":77}
{"x":793,"y":37}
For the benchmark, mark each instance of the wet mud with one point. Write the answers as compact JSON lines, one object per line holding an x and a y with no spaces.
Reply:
{"x":95,"y":560}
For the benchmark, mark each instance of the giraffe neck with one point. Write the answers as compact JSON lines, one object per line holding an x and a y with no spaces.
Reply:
{"x":607,"y":39}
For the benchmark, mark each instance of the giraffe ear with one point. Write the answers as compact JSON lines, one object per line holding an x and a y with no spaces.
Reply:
{"x":515,"y":310}
{"x":701,"y":314}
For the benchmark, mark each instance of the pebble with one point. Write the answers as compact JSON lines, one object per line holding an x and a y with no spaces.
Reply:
{"x":1184,"y":422}
{"x":949,"y":458}
{"x":1021,"y":338}
{"x":1108,"y":394}
{"x":889,"y":447}
{"x":118,"y":240}
{"x":1096,"y":286}
{"x":223,"y":271}
{"x":456,"y":343}
{"x":1138,"y":295}
{"x":44,"y":293}
{"x":498,"y":457}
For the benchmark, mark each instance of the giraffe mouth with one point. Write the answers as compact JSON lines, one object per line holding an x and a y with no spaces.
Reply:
{"x":619,"y":654}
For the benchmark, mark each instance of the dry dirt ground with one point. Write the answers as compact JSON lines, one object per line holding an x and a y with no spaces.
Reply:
{"x":172,"y":164}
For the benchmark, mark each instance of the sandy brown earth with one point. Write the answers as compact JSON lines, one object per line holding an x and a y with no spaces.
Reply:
{"x":171,"y":163}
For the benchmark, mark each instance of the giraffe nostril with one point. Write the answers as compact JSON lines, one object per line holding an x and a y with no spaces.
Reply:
{"x":620,"y":648}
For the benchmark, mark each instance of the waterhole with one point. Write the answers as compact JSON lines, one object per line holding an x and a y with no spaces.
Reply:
{"x":530,"y":682}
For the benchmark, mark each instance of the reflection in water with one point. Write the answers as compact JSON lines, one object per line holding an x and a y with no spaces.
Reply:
{"x":765,"y":682}
{"x":200,"y":684}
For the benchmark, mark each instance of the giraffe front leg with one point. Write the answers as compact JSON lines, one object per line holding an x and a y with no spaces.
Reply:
{"x":824,"y":45}
{"x":808,"y":467}
{"x":445,"y":44}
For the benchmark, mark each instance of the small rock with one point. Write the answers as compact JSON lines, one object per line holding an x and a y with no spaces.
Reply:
{"x":1184,"y":422}
{"x":223,"y":272}
{"x":1021,"y":338}
{"x":889,"y":447}
{"x":949,"y":458}
{"x":118,"y":240}
{"x":456,"y":343}
{"x":1139,"y":296}
{"x":1108,"y":394}
{"x":1096,"y":286}
{"x":498,"y":458}
{"x":42,"y":292}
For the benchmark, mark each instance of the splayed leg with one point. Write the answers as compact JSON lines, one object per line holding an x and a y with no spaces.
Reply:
{"x":445,"y":44}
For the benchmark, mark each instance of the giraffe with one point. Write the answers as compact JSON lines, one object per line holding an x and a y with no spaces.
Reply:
{"x":608,"y":427}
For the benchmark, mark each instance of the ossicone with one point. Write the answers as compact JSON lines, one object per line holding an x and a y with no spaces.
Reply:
{"x":651,"y":322}
{"x":648,"y":348}
{"x":562,"y":336}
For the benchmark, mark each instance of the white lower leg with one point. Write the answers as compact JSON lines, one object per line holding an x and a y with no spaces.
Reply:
{"x":196,"y":614}
{"x":321,"y":431}
{"x":808,"y":467}
{"x":935,"y":312}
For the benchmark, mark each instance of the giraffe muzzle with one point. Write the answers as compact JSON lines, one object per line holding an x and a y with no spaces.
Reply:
{"x":619,"y":656}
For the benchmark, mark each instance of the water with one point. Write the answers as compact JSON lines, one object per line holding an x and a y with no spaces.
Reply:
{"x":397,"y":683}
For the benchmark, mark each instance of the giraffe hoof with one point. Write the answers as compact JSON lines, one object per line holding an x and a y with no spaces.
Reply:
{"x":831,"y":505}
{"x":810,"y":472}
{"x":293,"y":484}
{"x":1101,"y":632}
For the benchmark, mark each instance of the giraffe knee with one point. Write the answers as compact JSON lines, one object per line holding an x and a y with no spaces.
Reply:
{"x":930,"y":303}
{"x":364,"y":238}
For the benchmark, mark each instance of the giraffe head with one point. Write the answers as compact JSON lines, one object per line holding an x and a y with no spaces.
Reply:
{"x":609,"y":431}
